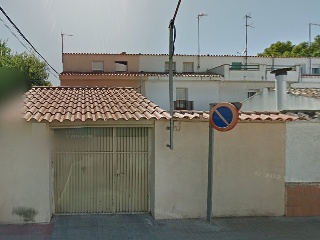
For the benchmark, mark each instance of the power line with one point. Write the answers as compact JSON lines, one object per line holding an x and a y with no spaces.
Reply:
{"x":28,"y":49}
{"x":14,"y":35}
{"x":18,"y":30}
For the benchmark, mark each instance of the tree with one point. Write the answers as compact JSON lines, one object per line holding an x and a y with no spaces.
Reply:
{"x":287,"y":49}
{"x":36,"y":71}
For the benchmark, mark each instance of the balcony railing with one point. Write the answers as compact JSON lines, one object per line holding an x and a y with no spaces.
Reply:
{"x":252,"y":67}
{"x":183,"y":105}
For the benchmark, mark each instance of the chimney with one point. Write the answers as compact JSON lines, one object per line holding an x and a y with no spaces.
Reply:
{"x":281,"y":87}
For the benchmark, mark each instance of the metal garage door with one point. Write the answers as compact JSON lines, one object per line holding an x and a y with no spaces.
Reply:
{"x":101,"y":170}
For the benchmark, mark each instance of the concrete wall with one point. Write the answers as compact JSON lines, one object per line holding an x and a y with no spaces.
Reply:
{"x":25,"y":170}
{"x":249,"y":170}
{"x":302,"y":152}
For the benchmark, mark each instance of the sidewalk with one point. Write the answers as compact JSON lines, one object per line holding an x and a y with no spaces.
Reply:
{"x":144,"y":227}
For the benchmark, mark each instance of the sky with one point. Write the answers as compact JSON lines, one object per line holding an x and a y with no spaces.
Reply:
{"x":141,"y":26}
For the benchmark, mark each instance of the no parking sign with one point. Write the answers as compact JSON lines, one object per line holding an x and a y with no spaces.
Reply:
{"x":224,"y":116}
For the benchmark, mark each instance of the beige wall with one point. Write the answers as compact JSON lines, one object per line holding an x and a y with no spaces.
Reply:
{"x":102,"y":81}
{"x":249,"y":170}
{"x":25,"y":173}
{"x":83,"y":62}
{"x":180,"y":178}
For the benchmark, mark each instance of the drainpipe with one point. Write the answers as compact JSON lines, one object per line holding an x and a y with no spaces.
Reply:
{"x":281,"y":87}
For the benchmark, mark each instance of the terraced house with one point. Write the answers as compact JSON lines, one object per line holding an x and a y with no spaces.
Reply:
{"x":219,"y":78}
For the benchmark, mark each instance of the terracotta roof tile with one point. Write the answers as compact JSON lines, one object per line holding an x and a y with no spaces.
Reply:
{"x":134,"y":74}
{"x":244,"y":116}
{"x":87,"y":103}
{"x":188,"y":55}
{"x":305,"y":92}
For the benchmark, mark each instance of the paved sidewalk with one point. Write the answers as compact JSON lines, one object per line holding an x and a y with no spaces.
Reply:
{"x":31,"y":231}
{"x":144,"y":227}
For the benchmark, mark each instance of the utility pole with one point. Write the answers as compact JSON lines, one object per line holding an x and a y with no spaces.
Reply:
{"x":201,"y":14}
{"x":247,"y":25}
{"x":171,"y":53}
{"x":62,"y":38}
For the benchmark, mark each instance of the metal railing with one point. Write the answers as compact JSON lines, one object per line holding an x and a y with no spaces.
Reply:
{"x":249,"y":67}
{"x":183,"y":105}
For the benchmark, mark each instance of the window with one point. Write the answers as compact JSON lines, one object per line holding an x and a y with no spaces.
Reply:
{"x":181,"y":93}
{"x":97,"y":66}
{"x":166,"y":66}
{"x":252,"y":92}
{"x":188,"y":67}
{"x":315,"y":71}
{"x":121,"y":66}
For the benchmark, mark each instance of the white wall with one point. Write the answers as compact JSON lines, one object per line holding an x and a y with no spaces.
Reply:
{"x":266,"y":101}
{"x":302,"y":152}
{"x":24,"y":173}
{"x":202,"y":92}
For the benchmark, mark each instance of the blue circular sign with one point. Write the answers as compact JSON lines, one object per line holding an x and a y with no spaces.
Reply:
{"x":224,"y":117}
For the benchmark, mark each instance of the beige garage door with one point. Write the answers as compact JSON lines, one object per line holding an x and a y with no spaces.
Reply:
{"x":101,"y":170}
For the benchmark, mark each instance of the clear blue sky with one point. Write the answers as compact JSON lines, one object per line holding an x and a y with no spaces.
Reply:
{"x":134,"y":26}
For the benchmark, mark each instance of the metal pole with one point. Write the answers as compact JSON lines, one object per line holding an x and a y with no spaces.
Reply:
{"x":309,"y":34}
{"x":246,"y":40}
{"x":210,"y":173}
{"x":141,"y":82}
{"x":171,"y":27}
{"x":171,"y":52}
{"x":62,"y":46}
{"x":310,"y":67}
{"x":198,"y":43}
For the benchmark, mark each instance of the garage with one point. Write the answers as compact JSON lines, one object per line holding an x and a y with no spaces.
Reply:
{"x":101,"y":170}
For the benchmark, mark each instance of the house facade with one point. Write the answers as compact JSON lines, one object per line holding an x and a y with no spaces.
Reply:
{"x":91,"y":150}
{"x":219,"y":78}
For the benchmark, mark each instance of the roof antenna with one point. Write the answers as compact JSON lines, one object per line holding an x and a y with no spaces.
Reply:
{"x":247,"y":16}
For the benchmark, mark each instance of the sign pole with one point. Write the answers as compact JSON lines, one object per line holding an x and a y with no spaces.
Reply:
{"x":210,"y":173}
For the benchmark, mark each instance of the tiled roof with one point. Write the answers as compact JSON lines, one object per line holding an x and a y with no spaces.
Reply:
{"x":187,"y":55}
{"x":136,"y":74}
{"x":310,"y":76}
{"x":308,"y":115}
{"x":305,"y":92}
{"x":244,"y":116}
{"x":88,"y":103}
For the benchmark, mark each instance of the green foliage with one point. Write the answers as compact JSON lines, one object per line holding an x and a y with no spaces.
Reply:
{"x":287,"y":49}
{"x":36,"y":72}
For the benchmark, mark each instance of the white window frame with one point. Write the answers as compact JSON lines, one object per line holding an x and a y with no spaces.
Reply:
{"x":187,"y":65}
{"x":97,"y":66}
{"x":252,"y":92}
{"x":121,"y":66}
{"x":185,"y":93}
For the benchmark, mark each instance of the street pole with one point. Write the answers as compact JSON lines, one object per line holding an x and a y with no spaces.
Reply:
{"x":171,"y":53}
{"x":210,"y":173}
